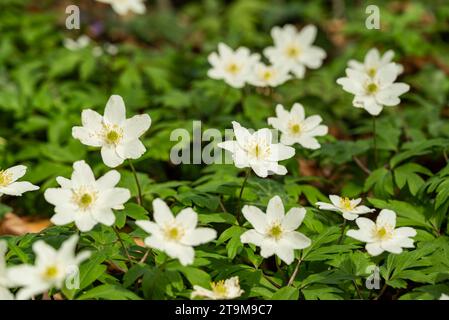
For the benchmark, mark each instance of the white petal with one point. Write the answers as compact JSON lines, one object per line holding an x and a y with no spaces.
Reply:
{"x":405,"y":232}
{"x":350,"y":216}
{"x":148,"y":226}
{"x":110,"y":157}
{"x":16,"y":172}
{"x":108,"y":180}
{"x":386,"y":218}
{"x":104,"y":216}
{"x":293,"y":219}
{"x":86,"y":137}
{"x":161,"y":212}
{"x":256,"y":217}
{"x":131,"y":149}
{"x":115,"y":112}
{"x":374,"y":249}
{"x":18,"y":188}
{"x":82,"y":174}
{"x":281,"y":152}
{"x":286,"y":253}
{"x":91,"y":120}
{"x":136,"y":126}
{"x":188,"y":218}
{"x":297,"y":240}
{"x":199,"y":236}
{"x":275,"y":210}
{"x":85,"y":222}
{"x":58,"y":196}
{"x":298,"y":111}
{"x":252,"y":236}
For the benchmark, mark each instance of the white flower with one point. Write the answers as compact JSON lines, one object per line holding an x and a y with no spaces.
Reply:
{"x":221,"y":290}
{"x":50,"y":270}
{"x":175,"y":236}
{"x":382,"y":235}
{"x":294,"y":49}
{"x":444,"y":297}
{"x":78,"y":44}
{"x":374,"y":61}
{"x":122,"y":7}
{"x":373,"y":93}
{"x":348,"y":207}
{"x":5,"y":294}
{"x":86,"y":201}
{"x":257,"y":151}
{"x":268,"y":76}
{"x":9,"y":184}
{"x":117,"y":136}
{"x":234,"y":67}
{"x":296,"y":128}
{"x":274,"y":232}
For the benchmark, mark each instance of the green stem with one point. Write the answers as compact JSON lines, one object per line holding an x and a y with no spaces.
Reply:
{"x":381,"y":291}
{"x":375,"y":141}
{"x":139,"y":190}
{"x":295,"y":272}
{"x":247,"y":173}
{"x":342,"y":235}
{"x":122,"y":244}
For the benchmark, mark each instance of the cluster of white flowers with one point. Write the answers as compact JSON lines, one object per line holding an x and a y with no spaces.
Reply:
{"x":176,"y":236}
{"x":84,"y":41}
{"x":257,"y":150}
{"x":291,"y":54}
{"x":88,"y":201}
{"x":381,"y":235}
{"x":373,"y":82}
{"x":275,"y":232}
{"x":50,"y":270}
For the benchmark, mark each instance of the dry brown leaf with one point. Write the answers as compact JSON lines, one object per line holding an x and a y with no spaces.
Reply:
{"x":12,"y":224}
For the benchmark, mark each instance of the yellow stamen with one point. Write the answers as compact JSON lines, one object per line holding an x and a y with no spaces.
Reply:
{"x":345,"y":203}
{"x":372,"y":88}
{"x":372,"y":72}
{"x":5,"y":178}
{"x":219,"y":288}
{"x":173,"y":233}
{"x":275,"y":231}
{"x":233,"y":68}
{"x":293,"y":52}
{"x":50,"y":272}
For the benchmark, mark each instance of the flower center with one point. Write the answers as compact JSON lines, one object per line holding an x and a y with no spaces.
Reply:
{"x":383,"y":233}
{"x":345,"y":203}
{"x":295,"y":128}
{"x":5,"y":178}
{"x":275,"y":231}
{"x":173,"y":233}
{"x":50,"y":272}
{"x":233,"y":68}
{"x":112,"y":134}
{"x":84,"y":198}
{"x":293,"y":51}
{"x":259,"y":150}
{"x":372,"y":88}
{"x":219,"y":288}
{"x":372,"y":72}
{"x":267,"y":75}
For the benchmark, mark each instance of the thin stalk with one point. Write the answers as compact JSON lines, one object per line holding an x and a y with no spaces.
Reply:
{"x":357,"y":289}
{"x":342,"y":235}
{"x":139,"y":190}
{"x":247,"y":173}
{"x":122,"y":244}
{"x":295,"y":272}
{"x":375,"y":141}
{"x":381,"y":291}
